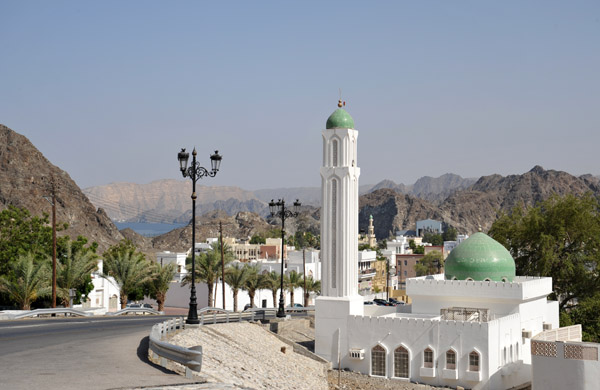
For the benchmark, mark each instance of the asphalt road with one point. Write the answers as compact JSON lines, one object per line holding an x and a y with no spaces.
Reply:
{"x":80,"y":353}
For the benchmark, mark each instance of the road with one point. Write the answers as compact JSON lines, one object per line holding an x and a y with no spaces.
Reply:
{"x":80,"y":353}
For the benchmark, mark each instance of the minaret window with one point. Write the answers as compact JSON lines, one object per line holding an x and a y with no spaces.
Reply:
{"x":333,"y":233}
{"x":334,"y":153}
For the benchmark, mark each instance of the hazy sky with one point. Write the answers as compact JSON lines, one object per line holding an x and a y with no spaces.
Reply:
{"x":110,"y":91}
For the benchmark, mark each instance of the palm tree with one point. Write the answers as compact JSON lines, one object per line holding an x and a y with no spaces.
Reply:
{"x":208,"y":268}
{"x":73,"y":270}
{"x":312,"y":286}
{"x":273,"y":282}
{"x":28,"y":282}
{"x":159,"y":282}
{"x":236,"y":276}
{"x":292,"y":281}
{"x":254,"y":282}
{"x":127,"y":266}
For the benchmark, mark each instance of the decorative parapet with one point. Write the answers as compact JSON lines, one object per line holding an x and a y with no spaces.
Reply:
{"x":560,"y":350}
{"x":567,"y":333}
{"x":465,"y":314}
{"x":522,"y":288}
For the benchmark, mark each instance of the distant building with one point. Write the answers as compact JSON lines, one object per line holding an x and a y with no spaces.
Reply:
{"x":177,"y":258}
{"x":428,"y":225}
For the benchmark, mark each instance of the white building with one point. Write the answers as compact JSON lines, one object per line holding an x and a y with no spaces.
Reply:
{"x":470,"y":327}
{"x":449,"y":245}
{"x":177,"y":258}
{"x":105,"y":295}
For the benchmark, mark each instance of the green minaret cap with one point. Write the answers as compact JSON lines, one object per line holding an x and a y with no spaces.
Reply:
{"x":480,"y":257}
{"x":340,"y":119}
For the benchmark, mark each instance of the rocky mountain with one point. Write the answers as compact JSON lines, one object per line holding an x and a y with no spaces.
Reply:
{"x":26,"y":176}
{"x":393,"y":211}
{"x":163,"y":201}
{"x":433,"y":189}
{"x":243,"y":224}
{"x":477,"y":205}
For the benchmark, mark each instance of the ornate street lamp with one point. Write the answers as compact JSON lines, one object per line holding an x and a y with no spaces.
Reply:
{"x":195,"y":172}
{"x":278,"y":209}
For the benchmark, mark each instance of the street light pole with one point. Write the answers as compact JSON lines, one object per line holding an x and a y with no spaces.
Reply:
{"x":195,"y":172}
{"x":278,"y":209}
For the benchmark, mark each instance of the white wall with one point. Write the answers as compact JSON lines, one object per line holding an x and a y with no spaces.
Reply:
{"x":179,"y":296}
{"x":558,"y":372}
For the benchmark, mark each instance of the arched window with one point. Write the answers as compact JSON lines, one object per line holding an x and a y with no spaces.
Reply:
{"x":401,"y":363}
{"x":474,"y":361}
{"x":505,"y":279}
{"x":450,"y":360}
{"x":469,"y":279}
{"x":428,"y":358}
{"x":378,"y":361}
{"x":487,"y":280}
{"x":334,"y":154}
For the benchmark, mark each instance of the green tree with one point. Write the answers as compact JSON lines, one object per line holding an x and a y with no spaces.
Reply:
{"x":412,"y":245}
{"x":450,"y":234}
{"x":273,"y":283}
{"x":430,"y":264}
{"x":208,"y":268}
{"x":28,"y":280}
{"x":433,"y":238}
{"x":254,"y":282}
{"x":235,"y":277}
{"x":23,"y":234}
{"x":73,"y":269}
{"x":311,"y":286}
{"x":159,"y":282}
{"x":128,"y":267}
{"x":419,"y":250}
{"x":258,"y":239}
{"x":559,"y":238}
{"x":292,"y":281}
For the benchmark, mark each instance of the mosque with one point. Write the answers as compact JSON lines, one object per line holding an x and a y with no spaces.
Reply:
{"x":471,"y":326}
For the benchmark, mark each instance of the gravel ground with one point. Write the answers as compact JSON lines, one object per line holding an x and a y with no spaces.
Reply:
{"x":355,"y":381}
{"x":249,"y":356}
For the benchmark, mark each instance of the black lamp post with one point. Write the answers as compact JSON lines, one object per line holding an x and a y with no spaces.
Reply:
{"x":278,"y":209}
{"x":195,"y":172}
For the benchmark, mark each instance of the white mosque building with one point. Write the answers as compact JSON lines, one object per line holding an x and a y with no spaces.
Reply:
{"x":470,"y":327}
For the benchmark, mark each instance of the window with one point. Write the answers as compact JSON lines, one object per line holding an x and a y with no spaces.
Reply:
{"x":401,"y":362}
{"x":450,"y":360}
{"x":428,"y":358}
{"x":473,"y":361}
{"x":405,"y":262}
{"x":378,"y":361}
{"x":404,"y":273}
{"x":335,"y":153}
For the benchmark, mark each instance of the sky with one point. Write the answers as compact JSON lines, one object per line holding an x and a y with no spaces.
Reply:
{"x":110,"y":91}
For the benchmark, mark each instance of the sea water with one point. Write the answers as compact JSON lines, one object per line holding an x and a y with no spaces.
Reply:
{"x":148,"y":229}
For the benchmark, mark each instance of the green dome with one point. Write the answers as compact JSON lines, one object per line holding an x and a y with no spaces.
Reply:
{"x":480,"y":257}
{"x":340,"y":119}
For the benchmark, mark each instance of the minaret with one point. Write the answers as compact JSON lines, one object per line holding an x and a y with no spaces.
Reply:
{"x":339,"y":236}
{"x":371,"y":240}
{"x":339,"y":211}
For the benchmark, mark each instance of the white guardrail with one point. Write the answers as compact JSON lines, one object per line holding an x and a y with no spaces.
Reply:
{"x":66,"y":311}
{"x":135,"y":310}
{"x":191,"y":358}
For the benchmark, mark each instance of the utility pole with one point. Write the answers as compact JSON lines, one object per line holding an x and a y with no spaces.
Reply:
{"x":52,"y":201}
{"x":222,"y":263}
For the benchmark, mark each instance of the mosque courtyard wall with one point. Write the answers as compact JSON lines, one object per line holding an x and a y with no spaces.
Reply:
{"x":416,"y":335}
